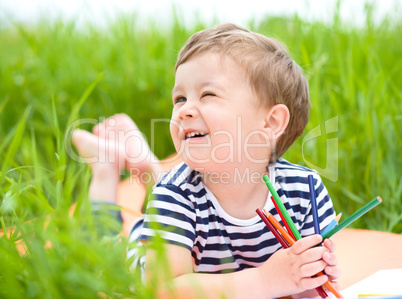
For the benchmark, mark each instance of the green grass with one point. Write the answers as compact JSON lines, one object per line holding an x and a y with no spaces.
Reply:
{"x":53,"y":75}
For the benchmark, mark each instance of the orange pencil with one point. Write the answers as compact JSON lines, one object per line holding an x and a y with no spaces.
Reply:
{"x":289,"y":239}
{"x":279,"y":227}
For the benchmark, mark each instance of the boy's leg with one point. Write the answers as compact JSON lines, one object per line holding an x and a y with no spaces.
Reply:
{"x":139,"y":158}
{"x":106,"y":160}
{"x":116,"y":143}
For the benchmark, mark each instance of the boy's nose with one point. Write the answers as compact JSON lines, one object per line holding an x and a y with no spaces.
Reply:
{"x":188,"y":110}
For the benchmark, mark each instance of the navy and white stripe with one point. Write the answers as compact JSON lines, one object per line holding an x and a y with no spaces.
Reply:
{"x":136,"y":251}
{"x":186,"y":213}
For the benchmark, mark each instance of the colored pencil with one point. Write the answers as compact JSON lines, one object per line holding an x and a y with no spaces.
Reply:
{"x":328,"y":283}
{"x":282,"y":208}
{"x":283,"y":218}
{"x":331,"y":287}
{"x":353,"y":217}
{"x":279,"y":227}
{"x":382,"y":296}
{"x":281,"y":238}
{"x":316,"y":221}
{"x":289,"y":239}
{"x":332,"y":224}
{"x":272,"y":229}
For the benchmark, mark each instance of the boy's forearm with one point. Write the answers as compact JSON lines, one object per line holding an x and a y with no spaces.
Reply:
{"x":246,"y":283}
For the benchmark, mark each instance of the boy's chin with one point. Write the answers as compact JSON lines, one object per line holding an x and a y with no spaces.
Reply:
{"x":201,"y":165}
{"x":203,"y":160}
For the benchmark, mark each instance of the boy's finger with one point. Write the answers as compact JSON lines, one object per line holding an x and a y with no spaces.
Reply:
{"x":329,"y":244}
{"x":306,"y":243}
{"x":313,"y":254}
{"x":312,"y":282}
{"x":311,"y":269}
{"x":333,"y":272}
{"x":330,"y":258}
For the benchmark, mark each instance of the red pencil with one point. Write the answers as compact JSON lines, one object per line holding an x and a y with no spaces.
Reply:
{"x":282,"y":240}
{"x":272,"y":229}
{"x":283,"y":218}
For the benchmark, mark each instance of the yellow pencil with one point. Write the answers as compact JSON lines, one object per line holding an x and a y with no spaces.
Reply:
{"x":377,"y":295}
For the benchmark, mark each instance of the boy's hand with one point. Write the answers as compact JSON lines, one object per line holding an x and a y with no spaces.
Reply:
{"x":332,"y":270}
{"x":293,"y":270}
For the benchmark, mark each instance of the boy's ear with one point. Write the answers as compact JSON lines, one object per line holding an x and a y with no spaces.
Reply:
{"x":276,"y":120}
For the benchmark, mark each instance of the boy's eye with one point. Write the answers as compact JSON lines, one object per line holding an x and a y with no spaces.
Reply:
{"x":208,"y":94}
{"x":179,"y":100}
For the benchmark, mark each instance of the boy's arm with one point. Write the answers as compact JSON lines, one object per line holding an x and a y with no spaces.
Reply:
{"x":286,"y":272}
{"x":188,"y":285}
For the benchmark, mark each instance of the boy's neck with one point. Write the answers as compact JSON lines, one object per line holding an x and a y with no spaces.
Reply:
{"x":241,"y":193}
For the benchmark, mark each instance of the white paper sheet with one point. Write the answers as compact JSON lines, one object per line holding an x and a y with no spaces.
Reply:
{"x":383,"y":282}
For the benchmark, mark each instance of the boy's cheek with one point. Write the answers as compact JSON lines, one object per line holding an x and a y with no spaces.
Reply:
{"x":174,"y":129}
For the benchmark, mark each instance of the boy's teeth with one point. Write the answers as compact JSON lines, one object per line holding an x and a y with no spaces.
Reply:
{"x":192,"y":134}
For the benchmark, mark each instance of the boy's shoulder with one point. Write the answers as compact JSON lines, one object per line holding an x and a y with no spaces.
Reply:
{"x":182,"y":185}
{"x":283,"y":163}
{"x":284,"y":168}
{"x":292,"y":181}
{"x":180,"y":175}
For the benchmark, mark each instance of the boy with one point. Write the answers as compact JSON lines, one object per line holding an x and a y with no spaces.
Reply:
{"x":239,"y":102}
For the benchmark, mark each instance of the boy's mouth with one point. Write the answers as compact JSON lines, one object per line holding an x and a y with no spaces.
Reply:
{"x":195,"y":134}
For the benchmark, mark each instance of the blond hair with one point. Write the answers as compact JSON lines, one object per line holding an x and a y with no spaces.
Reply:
{"x":274,"y":76}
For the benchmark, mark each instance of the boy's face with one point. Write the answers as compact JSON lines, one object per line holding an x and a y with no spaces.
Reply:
{"x":216,"y":120}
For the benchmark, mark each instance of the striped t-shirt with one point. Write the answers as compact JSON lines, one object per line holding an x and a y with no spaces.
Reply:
{"x":186,"y":213}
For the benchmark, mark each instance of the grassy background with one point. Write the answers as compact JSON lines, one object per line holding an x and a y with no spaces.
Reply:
{"x":54,"y":74}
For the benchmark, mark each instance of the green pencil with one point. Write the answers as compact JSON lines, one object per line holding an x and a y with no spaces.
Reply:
{"x":282,"y":207}
{"x":353,"y":217}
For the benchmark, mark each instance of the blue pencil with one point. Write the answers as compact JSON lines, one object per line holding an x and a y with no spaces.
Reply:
{"x":332,"y":224}
{"x":314,"y":205}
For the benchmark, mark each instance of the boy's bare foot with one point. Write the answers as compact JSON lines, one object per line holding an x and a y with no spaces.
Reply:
{"x":98,"y":152}
{"x":122,"y":130}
